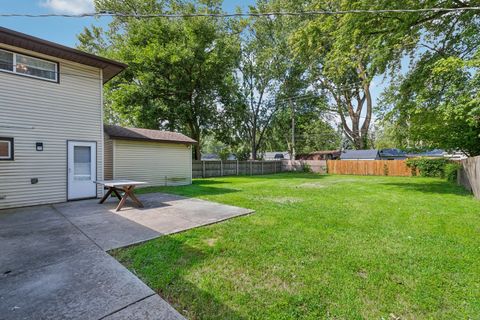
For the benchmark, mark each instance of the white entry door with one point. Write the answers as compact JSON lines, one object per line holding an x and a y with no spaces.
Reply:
{"x":82,"y":169}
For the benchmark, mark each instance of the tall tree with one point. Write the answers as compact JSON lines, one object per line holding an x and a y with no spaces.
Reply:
{"x":340,"y":66}
{"x":348,"y":50}
{"x":179,"y":70}
{"x":267,"y":75}
{"x":438,"y":106}
{"x":437,"y":101}
{"x":313,"y":130}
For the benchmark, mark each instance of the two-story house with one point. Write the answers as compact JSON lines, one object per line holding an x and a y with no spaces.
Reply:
{"x":51,"y":120}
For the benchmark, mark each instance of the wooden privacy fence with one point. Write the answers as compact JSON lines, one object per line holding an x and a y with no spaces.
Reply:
{"x":217,"y":168}
{"x":469,"y":175}
{"x":317,"y":166}
{"x":369,"y":167}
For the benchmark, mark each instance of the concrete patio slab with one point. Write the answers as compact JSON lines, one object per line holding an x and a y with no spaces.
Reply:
{"x":110,"y":231}
{"x":28,"y":246}
{"x":90,"y":285}
{"x":163,"y":214}
{"x":27,"y":215}
{"x":53,"y":264}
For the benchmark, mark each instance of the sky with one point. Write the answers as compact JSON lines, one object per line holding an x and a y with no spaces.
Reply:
{"x":65,"y":30}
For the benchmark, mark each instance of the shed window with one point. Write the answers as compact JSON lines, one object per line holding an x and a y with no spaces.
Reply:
{"x":6,"y":148}
{"x":28,"y":66}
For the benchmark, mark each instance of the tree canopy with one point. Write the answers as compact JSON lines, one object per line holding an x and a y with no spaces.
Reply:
{"x":241,"y":81}
{"x":178,"y":70}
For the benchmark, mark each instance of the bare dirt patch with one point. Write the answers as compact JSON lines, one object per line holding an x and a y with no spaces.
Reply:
{"x":324,"y":184}
{"x":281,"y":200}
{"x":316,"y":185}
{"x":211,"y":241}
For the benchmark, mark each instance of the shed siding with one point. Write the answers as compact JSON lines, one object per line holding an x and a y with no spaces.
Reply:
{"x":155,"y":163}
{"x":108,"y":145}
{"x":33,"y":110}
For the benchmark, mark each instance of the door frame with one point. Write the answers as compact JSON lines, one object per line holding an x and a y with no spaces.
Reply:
{"x":96,"y":168}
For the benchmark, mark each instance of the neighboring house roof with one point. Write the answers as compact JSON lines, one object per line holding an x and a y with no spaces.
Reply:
{"x":210,"y":156}
{"x":326,"y":152}
{"x":436,"y":153}
{"x":320,"y":155}
{"x":359,"y":154}
{"x":457,"y":155}
{"x":277,"y":155}
{"x":214,"y":156}
{"x":392,"y":153}
{"x":110,"y":67}
{"x":117,"y":132}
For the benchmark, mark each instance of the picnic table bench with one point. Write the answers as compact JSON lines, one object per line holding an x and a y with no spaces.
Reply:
{"x":117,"y":186}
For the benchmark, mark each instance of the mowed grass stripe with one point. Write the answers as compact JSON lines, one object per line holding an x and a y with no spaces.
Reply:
{"x":321,"y":247}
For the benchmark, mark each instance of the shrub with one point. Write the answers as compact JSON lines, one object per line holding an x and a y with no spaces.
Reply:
{"x":428,"y":167}
{"x":224,"y":154}
{"x":306,"y":167}
{"x":242,"y":153}
{"x":451,"y":171}
{"x":385,"y":169}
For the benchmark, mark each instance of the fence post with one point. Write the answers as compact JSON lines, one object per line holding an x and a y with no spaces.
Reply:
{"x":237,"y":167}
{"x":203,"y":168}
{"x":262,"y":166}
{"x":251,"y":168}
{"x":221,"y":168}
{"x":275,"y":166}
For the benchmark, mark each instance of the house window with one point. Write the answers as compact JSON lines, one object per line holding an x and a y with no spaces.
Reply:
{"x":28,"y":66}
{"x":6,"y":60}
{"x":6,"y":148}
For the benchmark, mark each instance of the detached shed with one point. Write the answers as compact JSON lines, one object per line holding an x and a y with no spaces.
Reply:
{"x":156,"y":157}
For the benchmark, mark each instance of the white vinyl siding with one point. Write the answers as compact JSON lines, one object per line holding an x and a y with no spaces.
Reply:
{"x":32,"y":110}
{"x":156,"y":163}
{"x":108,"y":145}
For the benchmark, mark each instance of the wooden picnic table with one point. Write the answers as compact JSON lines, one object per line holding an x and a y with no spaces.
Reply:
{"x":117,"y":186}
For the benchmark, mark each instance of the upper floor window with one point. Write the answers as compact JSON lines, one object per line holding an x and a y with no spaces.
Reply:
{"x":28,"y":66}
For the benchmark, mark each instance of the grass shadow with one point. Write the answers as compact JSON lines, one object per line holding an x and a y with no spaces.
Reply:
{"x":208,"y":181}
{"x":436,"y":187}
{"x":277,"y":176}
{"x":188,"y":191}
{"x":162,"y":264}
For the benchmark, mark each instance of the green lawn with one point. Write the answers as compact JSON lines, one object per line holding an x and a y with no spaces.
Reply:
{"x":322,"y":247}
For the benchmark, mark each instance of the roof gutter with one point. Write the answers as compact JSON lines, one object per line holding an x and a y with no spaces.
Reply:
{"x":153,"y":140}
{"x":17,"y":39}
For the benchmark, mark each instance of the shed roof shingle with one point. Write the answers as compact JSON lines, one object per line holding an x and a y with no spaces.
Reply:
{"x":117,"y":132}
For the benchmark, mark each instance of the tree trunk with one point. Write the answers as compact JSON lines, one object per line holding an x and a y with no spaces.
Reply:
{"x":195,"y":135}
{"x":357,"y":134}
{"x":254,"y":141}
{"x":198,"y":153}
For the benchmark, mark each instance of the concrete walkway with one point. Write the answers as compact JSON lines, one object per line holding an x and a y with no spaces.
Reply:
{"x":53,"y":263}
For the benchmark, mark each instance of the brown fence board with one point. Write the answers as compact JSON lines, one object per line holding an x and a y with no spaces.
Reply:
{"x":317,"y":166}
{"x":397,"y":168}
{"x":469,"y":175}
